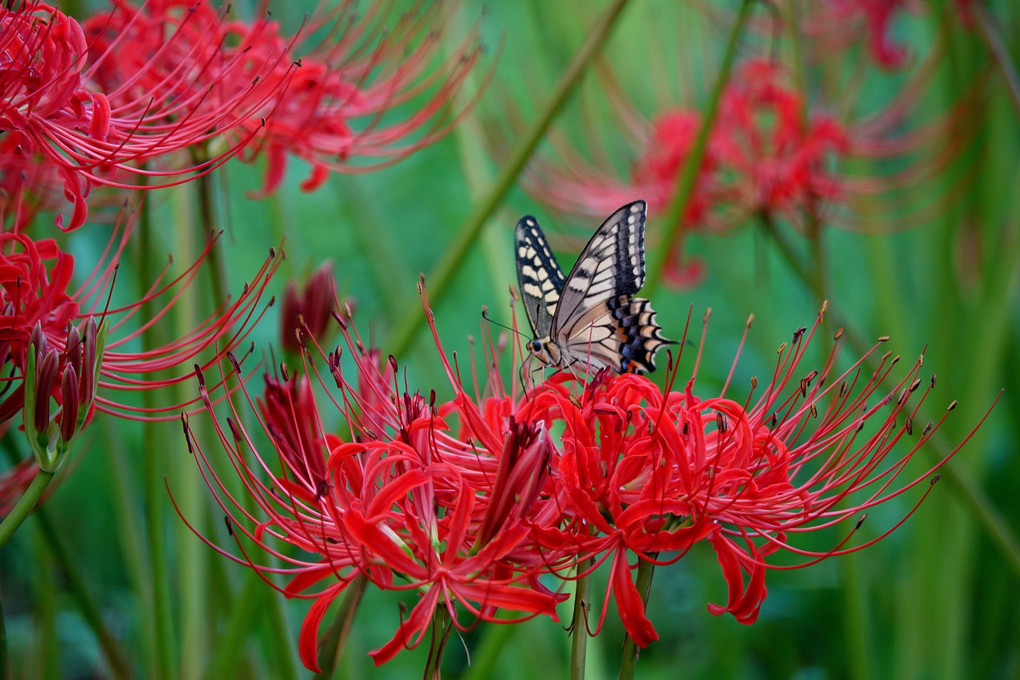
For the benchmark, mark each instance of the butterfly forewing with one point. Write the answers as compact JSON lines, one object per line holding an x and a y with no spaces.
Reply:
{"x":612,"y":264}
{"x":538,"y":275}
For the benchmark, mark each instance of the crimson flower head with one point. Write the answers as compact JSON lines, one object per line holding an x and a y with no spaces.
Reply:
{"x":774,"y":158}
{"x":400,"y":496}
{"x":767,"y":153}
{"x":330,"y":102}
{"x":49,"y":328}
{"x":473,"y":504}
{"x":58,"y":99}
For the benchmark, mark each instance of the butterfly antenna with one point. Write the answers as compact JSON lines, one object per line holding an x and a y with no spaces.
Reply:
{"x":489,"y":319}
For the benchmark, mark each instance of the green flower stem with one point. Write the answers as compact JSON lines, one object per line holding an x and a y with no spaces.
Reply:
{"x":628,"y":665}
{"x":485,"y":655}
{"x":188,"y":488}
{"x":160,"y":610}
{"x":130,"y":535}
{"x":332,"y":644}
{"x":5,"y":670}
{"x":286,"y":652}
{"x":1000,"y":54}
{"x":442,"y":624}
{"x":46,"y":643}
{"x":961,"y":480}
{"x":195,"y":556}
{"x":230,"y":644}
{"x":25,"y":505}
{"x":440,"y":278}
{"x":688,"y":175}
{"x":579,"y":626}
{"x":88,"y":607}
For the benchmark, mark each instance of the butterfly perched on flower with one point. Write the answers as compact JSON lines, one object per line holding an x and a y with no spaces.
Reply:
{"x":590,"y":317}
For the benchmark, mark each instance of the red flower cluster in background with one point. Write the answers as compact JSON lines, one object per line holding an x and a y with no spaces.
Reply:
{"x":767,"y":152}
{"x":155,"y":95}
{"x":470,"y":502}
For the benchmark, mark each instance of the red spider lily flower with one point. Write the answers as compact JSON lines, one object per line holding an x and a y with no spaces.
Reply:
{"x":776,"y":159}
{"x":28,"y":185}
{"x":765,"y":154}
{"x":468,"y":502}
{"x":330,"y":103}
{"x":40,"y":309}
{"x":309,"y":309}
{"x":398,"y":506}
{"x":772,"y":152}
{"x":338,"y":113}
{"x":54,"y":100}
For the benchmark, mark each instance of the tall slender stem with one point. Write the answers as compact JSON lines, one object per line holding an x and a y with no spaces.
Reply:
{"x":442,"y":625}
{"x":333,"y":642}
{"x":628,"y":665}
{"x":579,"y":626}
{"x":160,"y":610}
{"x":25,"y":505}
{"x":80,"y":591}
{"x":439,"y":279}
{"x":688,"y":175}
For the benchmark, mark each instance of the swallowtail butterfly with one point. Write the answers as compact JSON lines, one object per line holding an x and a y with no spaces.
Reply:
{"x":590,"y":317}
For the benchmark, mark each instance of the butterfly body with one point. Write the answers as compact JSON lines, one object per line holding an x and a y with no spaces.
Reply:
{"x":590,"y":317}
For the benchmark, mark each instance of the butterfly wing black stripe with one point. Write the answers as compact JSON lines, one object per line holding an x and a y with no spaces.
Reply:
{"x":539,"y":277}
{"x":620,"y":334}
{"x":610,"y":266}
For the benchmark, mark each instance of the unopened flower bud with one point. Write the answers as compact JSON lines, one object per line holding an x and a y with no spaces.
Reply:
{"x":69,"y":398}
{"x":309,"y":310}
{"x":45,"y":381}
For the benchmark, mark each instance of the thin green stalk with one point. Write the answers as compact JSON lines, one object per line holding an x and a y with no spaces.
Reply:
{"x":129,"y":533}
{"x":230,"y":643}
{"x":80,"y":592}
{"x":485,"y":655}
{"x":187,"y":484}
{"x":332,"y":644}
{"x":5,"y":668}
{"x":688,"y":175}
{"x":579,"y":627}
{"x":1000,"y":53}
{"x":25,"y":505}
{"x":440,"y":278}
{"x":46,"y":643}
{"x":160,"y":609}
{"x":442,"y":625}
{"x":628,"y":665}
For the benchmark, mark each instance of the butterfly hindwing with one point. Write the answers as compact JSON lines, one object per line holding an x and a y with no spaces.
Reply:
{"x":539,"y":277}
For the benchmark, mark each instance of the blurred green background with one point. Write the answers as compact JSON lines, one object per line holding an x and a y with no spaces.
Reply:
{"x":939,"y":598}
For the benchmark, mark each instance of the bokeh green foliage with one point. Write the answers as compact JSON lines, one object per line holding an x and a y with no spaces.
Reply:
{"x":939,"y":598}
